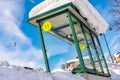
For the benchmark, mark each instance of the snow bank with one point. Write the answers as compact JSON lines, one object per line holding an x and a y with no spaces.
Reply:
{"x":115,"y":71}
{"x":85,"y":8}
{"x":66,"y":76}
{"x":4,"y":64}
{"x":21,"y":73}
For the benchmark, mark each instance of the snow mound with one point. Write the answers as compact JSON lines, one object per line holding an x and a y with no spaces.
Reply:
{"x":66,"y":76}
{"x":59,"y":70}
{"x":23,"y":73}
{"x":114,"y":70}
{"x":12,"y":72}
{"x":4,"y":64}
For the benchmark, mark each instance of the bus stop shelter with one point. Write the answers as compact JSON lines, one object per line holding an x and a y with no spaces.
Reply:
{"x":67,"y":23}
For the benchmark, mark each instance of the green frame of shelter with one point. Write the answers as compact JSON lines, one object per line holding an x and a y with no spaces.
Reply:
{"x":69,"y":14}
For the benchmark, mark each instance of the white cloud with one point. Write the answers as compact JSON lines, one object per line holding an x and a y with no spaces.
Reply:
{"x":32,"y":1}
{"x":106,"y":56}
{"x":11,"y":15}
{"x":114,"y":40}
{"x":59,"y":64}
{"x":55,"y":46}
{"x":105,"y":13}
{"x":23,"y":53}
{"x":54,"y":49}
{"x":115,"y":47}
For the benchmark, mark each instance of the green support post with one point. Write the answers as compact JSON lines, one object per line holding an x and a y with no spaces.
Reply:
{"x":97,"y":53}
{"x":108,"y":48}
{"x":76,"y":42}
{"x":103,"y":57}
{"x":43,"y":47}
{"x":88,"y":46}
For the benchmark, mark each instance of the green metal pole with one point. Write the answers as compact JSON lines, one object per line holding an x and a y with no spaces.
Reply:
{"x":76,"y":42}
{"x":108,"y":49}
{"x":97,"y":53}
{"x":43,"y":48}
{"x":103,"y":57}
{"x":91,"y":58}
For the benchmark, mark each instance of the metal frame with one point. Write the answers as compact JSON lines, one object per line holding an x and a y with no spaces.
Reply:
{"x":108,"y":49}
{"x":76,"y":42}
{"x":97,"y":54}
{"x":103,"y":58}
{"x":88,"y":47}
{"x":69,"y":14}
{"x":89,"y":52}
{"x":43,"y":47}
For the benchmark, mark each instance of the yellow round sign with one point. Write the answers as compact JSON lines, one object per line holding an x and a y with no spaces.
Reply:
{"x":82,"y":46}
{"x":47,"y":26}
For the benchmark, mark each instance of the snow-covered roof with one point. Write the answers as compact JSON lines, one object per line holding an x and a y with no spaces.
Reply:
{"x":75,"y":60}
{"x":58,"y":70}
{"x":85,"y":8}
{"x":117,"y":54}
{"x":72,"y":60}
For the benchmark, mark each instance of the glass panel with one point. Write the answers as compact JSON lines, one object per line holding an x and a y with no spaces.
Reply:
{"x":60,"y":27}
{"x":100,"y":53}
{"x":93,"y":50}
{"x":56,"y":47}
{"x":82,"y":44}
{"x":60,"y":53}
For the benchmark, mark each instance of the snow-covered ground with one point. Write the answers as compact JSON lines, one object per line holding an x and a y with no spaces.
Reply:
{"x":12,"y":72}
{"x":115,"y":71}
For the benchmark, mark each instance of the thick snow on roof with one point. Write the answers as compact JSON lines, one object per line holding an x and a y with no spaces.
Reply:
{"x":85,"y":8}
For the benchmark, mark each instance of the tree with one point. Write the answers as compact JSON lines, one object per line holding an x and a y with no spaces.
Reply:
{"x":115,"y":10}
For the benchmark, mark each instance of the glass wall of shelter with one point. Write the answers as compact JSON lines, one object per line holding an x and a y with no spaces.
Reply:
{"x":71,"y":29}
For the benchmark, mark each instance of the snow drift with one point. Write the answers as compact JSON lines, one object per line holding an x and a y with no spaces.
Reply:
{"x":13,"y":72}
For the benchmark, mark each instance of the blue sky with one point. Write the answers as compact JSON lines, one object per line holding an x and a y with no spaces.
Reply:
{"x":27,"y":52}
